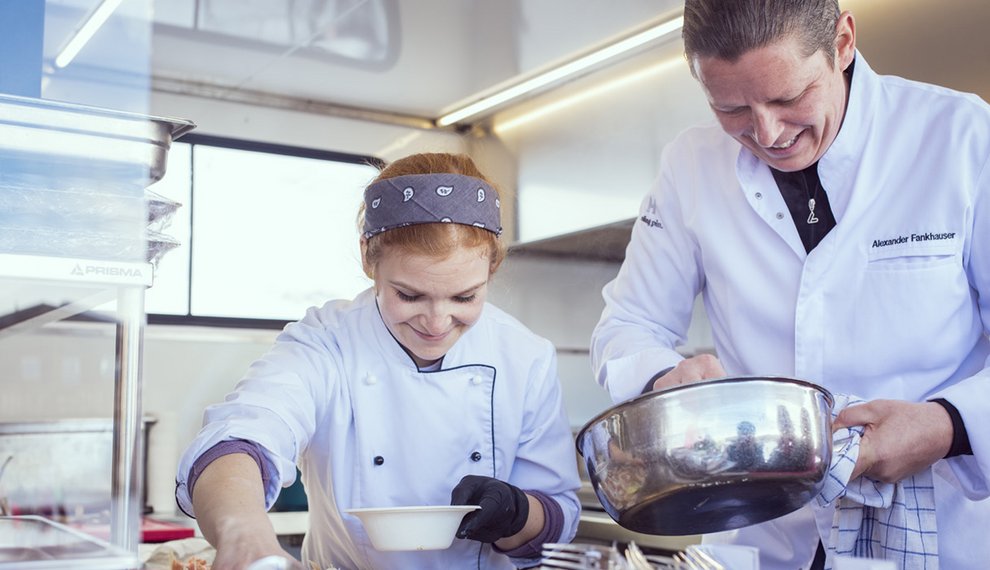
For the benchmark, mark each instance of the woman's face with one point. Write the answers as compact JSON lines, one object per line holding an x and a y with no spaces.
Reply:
{"x":428,"y":303}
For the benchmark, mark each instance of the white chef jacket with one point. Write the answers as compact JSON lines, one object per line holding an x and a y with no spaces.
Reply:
{"x":338,"y":393}
{"x":893,"y":303}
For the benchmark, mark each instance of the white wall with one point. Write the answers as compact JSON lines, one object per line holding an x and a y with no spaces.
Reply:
{"x":592,"y":154}
{"x":186,"y":369}
{"x":560,"y":299}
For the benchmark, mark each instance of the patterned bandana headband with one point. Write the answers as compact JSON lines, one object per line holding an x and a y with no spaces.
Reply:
{"x":429,"y":198}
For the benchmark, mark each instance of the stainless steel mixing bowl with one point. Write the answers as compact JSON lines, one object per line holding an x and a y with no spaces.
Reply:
{"x":711,"y":456}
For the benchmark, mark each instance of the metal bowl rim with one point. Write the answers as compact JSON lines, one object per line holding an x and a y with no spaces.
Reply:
{"x":681,"y":387}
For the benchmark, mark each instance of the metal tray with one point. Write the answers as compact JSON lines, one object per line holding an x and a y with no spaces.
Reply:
{"x":69,"y":141}
{"x":36,"y":543}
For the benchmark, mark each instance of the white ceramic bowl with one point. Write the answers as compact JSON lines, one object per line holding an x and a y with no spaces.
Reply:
{"x":412,"y":528}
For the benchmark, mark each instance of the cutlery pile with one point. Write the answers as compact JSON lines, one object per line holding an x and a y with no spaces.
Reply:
{"x":578,"y":556}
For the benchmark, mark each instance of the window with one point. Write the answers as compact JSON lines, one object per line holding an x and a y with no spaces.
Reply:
{"x":266,"y":231}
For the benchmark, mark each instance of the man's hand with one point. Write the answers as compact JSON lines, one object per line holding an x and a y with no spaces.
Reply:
{"x":504,"y":508}
{"x":694,"y":369}
{"x":900,"y":439}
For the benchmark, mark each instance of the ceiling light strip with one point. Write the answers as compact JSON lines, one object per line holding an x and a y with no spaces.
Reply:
{"x":562,"y":72}
{"x":597,"y":91}
{"x":85,"y":32}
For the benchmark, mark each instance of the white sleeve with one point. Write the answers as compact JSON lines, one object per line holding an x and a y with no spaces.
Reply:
{"x":275,"y":405}
{"x":971,"y":473}
{"x":648,"y":305}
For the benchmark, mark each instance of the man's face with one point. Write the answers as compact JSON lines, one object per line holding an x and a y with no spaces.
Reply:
{"x":782,"y":106}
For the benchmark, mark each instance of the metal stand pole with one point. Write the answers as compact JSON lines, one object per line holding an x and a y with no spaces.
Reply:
{"x":128,"y":448}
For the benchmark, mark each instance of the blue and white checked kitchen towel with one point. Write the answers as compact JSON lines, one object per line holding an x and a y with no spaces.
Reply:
{"x":890,"y":521}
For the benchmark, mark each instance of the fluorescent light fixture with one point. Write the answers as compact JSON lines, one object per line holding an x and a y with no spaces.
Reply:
{"x":561,"y":72}
{"x":85,"y":32}
{"x":577,"y":98}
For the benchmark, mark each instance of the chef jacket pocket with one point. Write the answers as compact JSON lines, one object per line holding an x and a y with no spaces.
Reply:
{"x":912,"y":258}
{"x":908,"y":311}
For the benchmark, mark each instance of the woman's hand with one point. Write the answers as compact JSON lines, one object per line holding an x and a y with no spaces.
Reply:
{"x":508,"y":516}
{"x":694,"y":369}
{"x":504,"y":508}
{"x":240,"y":548}
{"x":900,"y":439}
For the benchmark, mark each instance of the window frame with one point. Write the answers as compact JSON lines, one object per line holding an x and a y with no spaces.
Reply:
{"x":194,"y":139}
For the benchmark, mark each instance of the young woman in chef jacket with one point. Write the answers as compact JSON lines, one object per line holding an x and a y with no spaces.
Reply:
{"x":416,"y":392}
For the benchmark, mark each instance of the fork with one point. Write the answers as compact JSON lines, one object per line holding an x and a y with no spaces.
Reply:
{"x":572,"y":556}
{"x":583,"y":556}
{"x":693,"y":558}
{"x":635,"y":557}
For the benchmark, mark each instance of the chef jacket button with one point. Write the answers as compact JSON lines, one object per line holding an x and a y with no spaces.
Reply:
{"x":759,"y":195}
{"x":379,"y":460}
{"x":476,"y":380}
{"x":476,"y":456}
{"x":370,"y":379}
{"x":780,"y":215}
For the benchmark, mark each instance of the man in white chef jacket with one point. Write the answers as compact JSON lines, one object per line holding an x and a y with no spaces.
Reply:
{"x":837,"y":224}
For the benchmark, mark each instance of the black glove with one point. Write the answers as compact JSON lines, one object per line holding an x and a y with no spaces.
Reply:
{"x":504,"y":508}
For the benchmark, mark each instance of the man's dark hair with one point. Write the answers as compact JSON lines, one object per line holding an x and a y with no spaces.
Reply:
{"x":726,"y":29}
